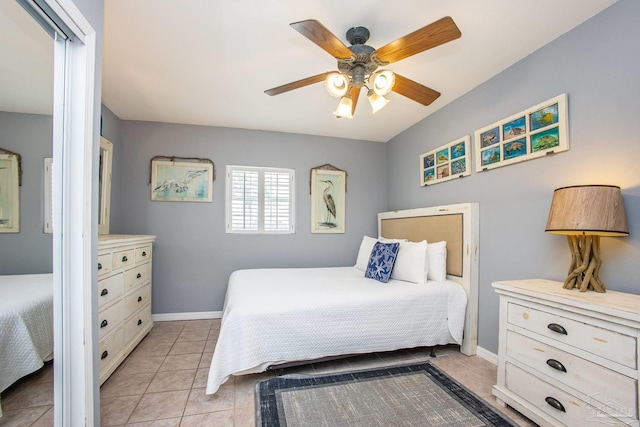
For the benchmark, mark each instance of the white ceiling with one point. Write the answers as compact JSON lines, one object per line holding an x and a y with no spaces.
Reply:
{"x":208,"y":62}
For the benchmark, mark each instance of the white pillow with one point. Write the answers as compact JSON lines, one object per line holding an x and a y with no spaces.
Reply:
{"x":437,"y":253}
{"x":412,"y":263}
{"x":367,"y":246}
{"x":365,"y":252}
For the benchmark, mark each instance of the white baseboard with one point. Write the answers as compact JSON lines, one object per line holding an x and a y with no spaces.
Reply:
{"x":487,"y":355}
{"x":200,"y":315}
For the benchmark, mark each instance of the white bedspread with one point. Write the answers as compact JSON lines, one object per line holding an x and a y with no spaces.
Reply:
{"x":26,"y":325}
{"x":274,"y":316}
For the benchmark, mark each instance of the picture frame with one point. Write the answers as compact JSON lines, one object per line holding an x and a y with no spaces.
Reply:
{"x":181,"y":181}
{"x":9,"y":194}
{"x":447,"y":162}
{"x":328,"y":195}
{"x":532,"y":133}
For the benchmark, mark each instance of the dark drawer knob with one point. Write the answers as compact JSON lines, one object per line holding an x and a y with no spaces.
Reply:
{"x":104,"y":355}
{"x":99,"y":266}
{"x":125,"y":259}
{"x":555,"y":404}
{"x":104,"y":323}
{"x":104,"y":292}
{"x":139,"y":322}
{"x":138,"y":276}
{"x":144,"y":253}
{"x":557,"y":328}
{"x":556,"y":365}
{"x":139,"y":299}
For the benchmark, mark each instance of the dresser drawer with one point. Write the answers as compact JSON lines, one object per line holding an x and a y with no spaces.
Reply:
{"x":137,"y":276}
{"x":110,"y":288}
{"x":143,"y":254}
{"x":110,"y":348}
{"x":612,"y":345}
{"x":104,"y":264}
{"x":137,"y":323}
{"x":123,"y":258}
{"x":109,"y":319}
{"x":603,"y":385}
{"x":543,"y":395}
{"x":136,"y":300}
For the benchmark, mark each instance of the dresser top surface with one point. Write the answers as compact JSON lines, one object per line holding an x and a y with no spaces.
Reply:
{"x":612,"y":302}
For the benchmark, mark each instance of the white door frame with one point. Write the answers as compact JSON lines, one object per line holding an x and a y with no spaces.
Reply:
{"x":74,"y":223}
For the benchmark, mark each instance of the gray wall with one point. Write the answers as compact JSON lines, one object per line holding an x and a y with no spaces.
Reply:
{"x":30,"y":250}
{"x":597,"y":66}
{"x":193,"y":256}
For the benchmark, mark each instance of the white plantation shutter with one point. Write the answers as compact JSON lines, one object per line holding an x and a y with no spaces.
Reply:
{"x":260,"y":200}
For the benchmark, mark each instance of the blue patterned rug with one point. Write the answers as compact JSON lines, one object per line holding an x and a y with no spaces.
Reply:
{"x":410,"y":395}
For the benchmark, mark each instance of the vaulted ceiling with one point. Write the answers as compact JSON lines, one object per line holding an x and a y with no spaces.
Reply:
{"x":209,"y":62}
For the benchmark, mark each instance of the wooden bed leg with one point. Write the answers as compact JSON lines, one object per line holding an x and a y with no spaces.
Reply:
{"x":433,"y":352}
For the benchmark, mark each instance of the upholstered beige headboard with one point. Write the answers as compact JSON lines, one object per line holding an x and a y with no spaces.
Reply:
{"x":432,"y":229}
{"x":458,"y":225}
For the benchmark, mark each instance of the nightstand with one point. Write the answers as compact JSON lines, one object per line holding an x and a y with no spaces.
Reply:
{"x":567,"y":357}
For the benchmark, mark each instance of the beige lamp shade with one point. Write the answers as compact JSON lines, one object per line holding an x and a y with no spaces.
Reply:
{"x":588,"y":210}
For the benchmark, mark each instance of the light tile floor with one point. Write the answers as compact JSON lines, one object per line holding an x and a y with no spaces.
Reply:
{"x":162,"y":382}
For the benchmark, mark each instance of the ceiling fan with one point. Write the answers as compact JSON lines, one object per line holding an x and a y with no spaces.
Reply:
{"x":358,"y":64}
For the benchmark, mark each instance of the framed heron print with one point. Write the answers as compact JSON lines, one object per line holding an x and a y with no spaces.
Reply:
{"x":181,"y":181}
{"x":328,"y":189}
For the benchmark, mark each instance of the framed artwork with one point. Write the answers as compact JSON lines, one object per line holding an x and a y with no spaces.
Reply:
{"x":181,"y":181}
{"x":328,"y":194}
{"x":445,"y":163}
{"x":9,"y":194}
{"x":532,"y":133}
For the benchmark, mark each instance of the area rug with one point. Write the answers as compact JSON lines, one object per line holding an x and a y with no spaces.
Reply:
{"x":410,"y":395}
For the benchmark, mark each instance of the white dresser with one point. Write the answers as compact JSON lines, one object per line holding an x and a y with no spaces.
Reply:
{"x":124,"y":297}
{"x":567,"y":357}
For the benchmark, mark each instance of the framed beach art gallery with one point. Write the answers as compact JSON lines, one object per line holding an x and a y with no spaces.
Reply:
{"x":446,"y":162}
{"x":529,"y":134}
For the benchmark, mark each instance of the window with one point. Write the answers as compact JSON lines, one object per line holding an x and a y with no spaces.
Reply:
{"x":260,"y":200}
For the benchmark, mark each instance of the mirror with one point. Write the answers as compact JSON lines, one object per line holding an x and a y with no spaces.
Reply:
{"x":104,"y":185}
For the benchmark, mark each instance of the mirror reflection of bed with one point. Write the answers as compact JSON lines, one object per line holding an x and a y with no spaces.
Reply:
{"x":26,"y":258}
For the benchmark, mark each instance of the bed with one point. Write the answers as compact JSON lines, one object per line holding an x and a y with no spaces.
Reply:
{"x":26,"y":325}
{"x":276,"y":316}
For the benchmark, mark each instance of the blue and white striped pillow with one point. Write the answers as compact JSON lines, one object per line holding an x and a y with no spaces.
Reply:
{"x":383,"y":257}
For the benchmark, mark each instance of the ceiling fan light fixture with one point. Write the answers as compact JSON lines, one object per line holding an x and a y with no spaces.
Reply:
{"x":344,"y":108}
{"x":382,"y":82}
{"x":377,"y":101}
{"x":337,"y":84}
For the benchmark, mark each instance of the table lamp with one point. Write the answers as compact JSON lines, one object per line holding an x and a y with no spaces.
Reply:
{"x":584,"y":213}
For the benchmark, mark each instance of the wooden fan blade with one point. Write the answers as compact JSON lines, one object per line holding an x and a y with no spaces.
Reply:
{"x":320,"y":35}
{"x":415,"y":91}
{"x":296,"y":85}
{"x":354,"y":92}
{"x":432,"y":35}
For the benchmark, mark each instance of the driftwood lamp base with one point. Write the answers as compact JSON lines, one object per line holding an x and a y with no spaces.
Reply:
{"x":585,"y":264}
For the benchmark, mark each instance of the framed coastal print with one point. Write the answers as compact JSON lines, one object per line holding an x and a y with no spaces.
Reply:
{"x":9,"y":194}
{"x":328,"y":194}
{"x":529,"y":134}
{"x":181,"y":181}
{"x":445,"y":163}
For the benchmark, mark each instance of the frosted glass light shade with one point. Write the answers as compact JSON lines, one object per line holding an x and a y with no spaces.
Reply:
{"x":587,"y":210}
{"x":377,"y":102}
{"x":382,"y":82}
{"x":337,"y":84}
{"x":344,"y":108}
